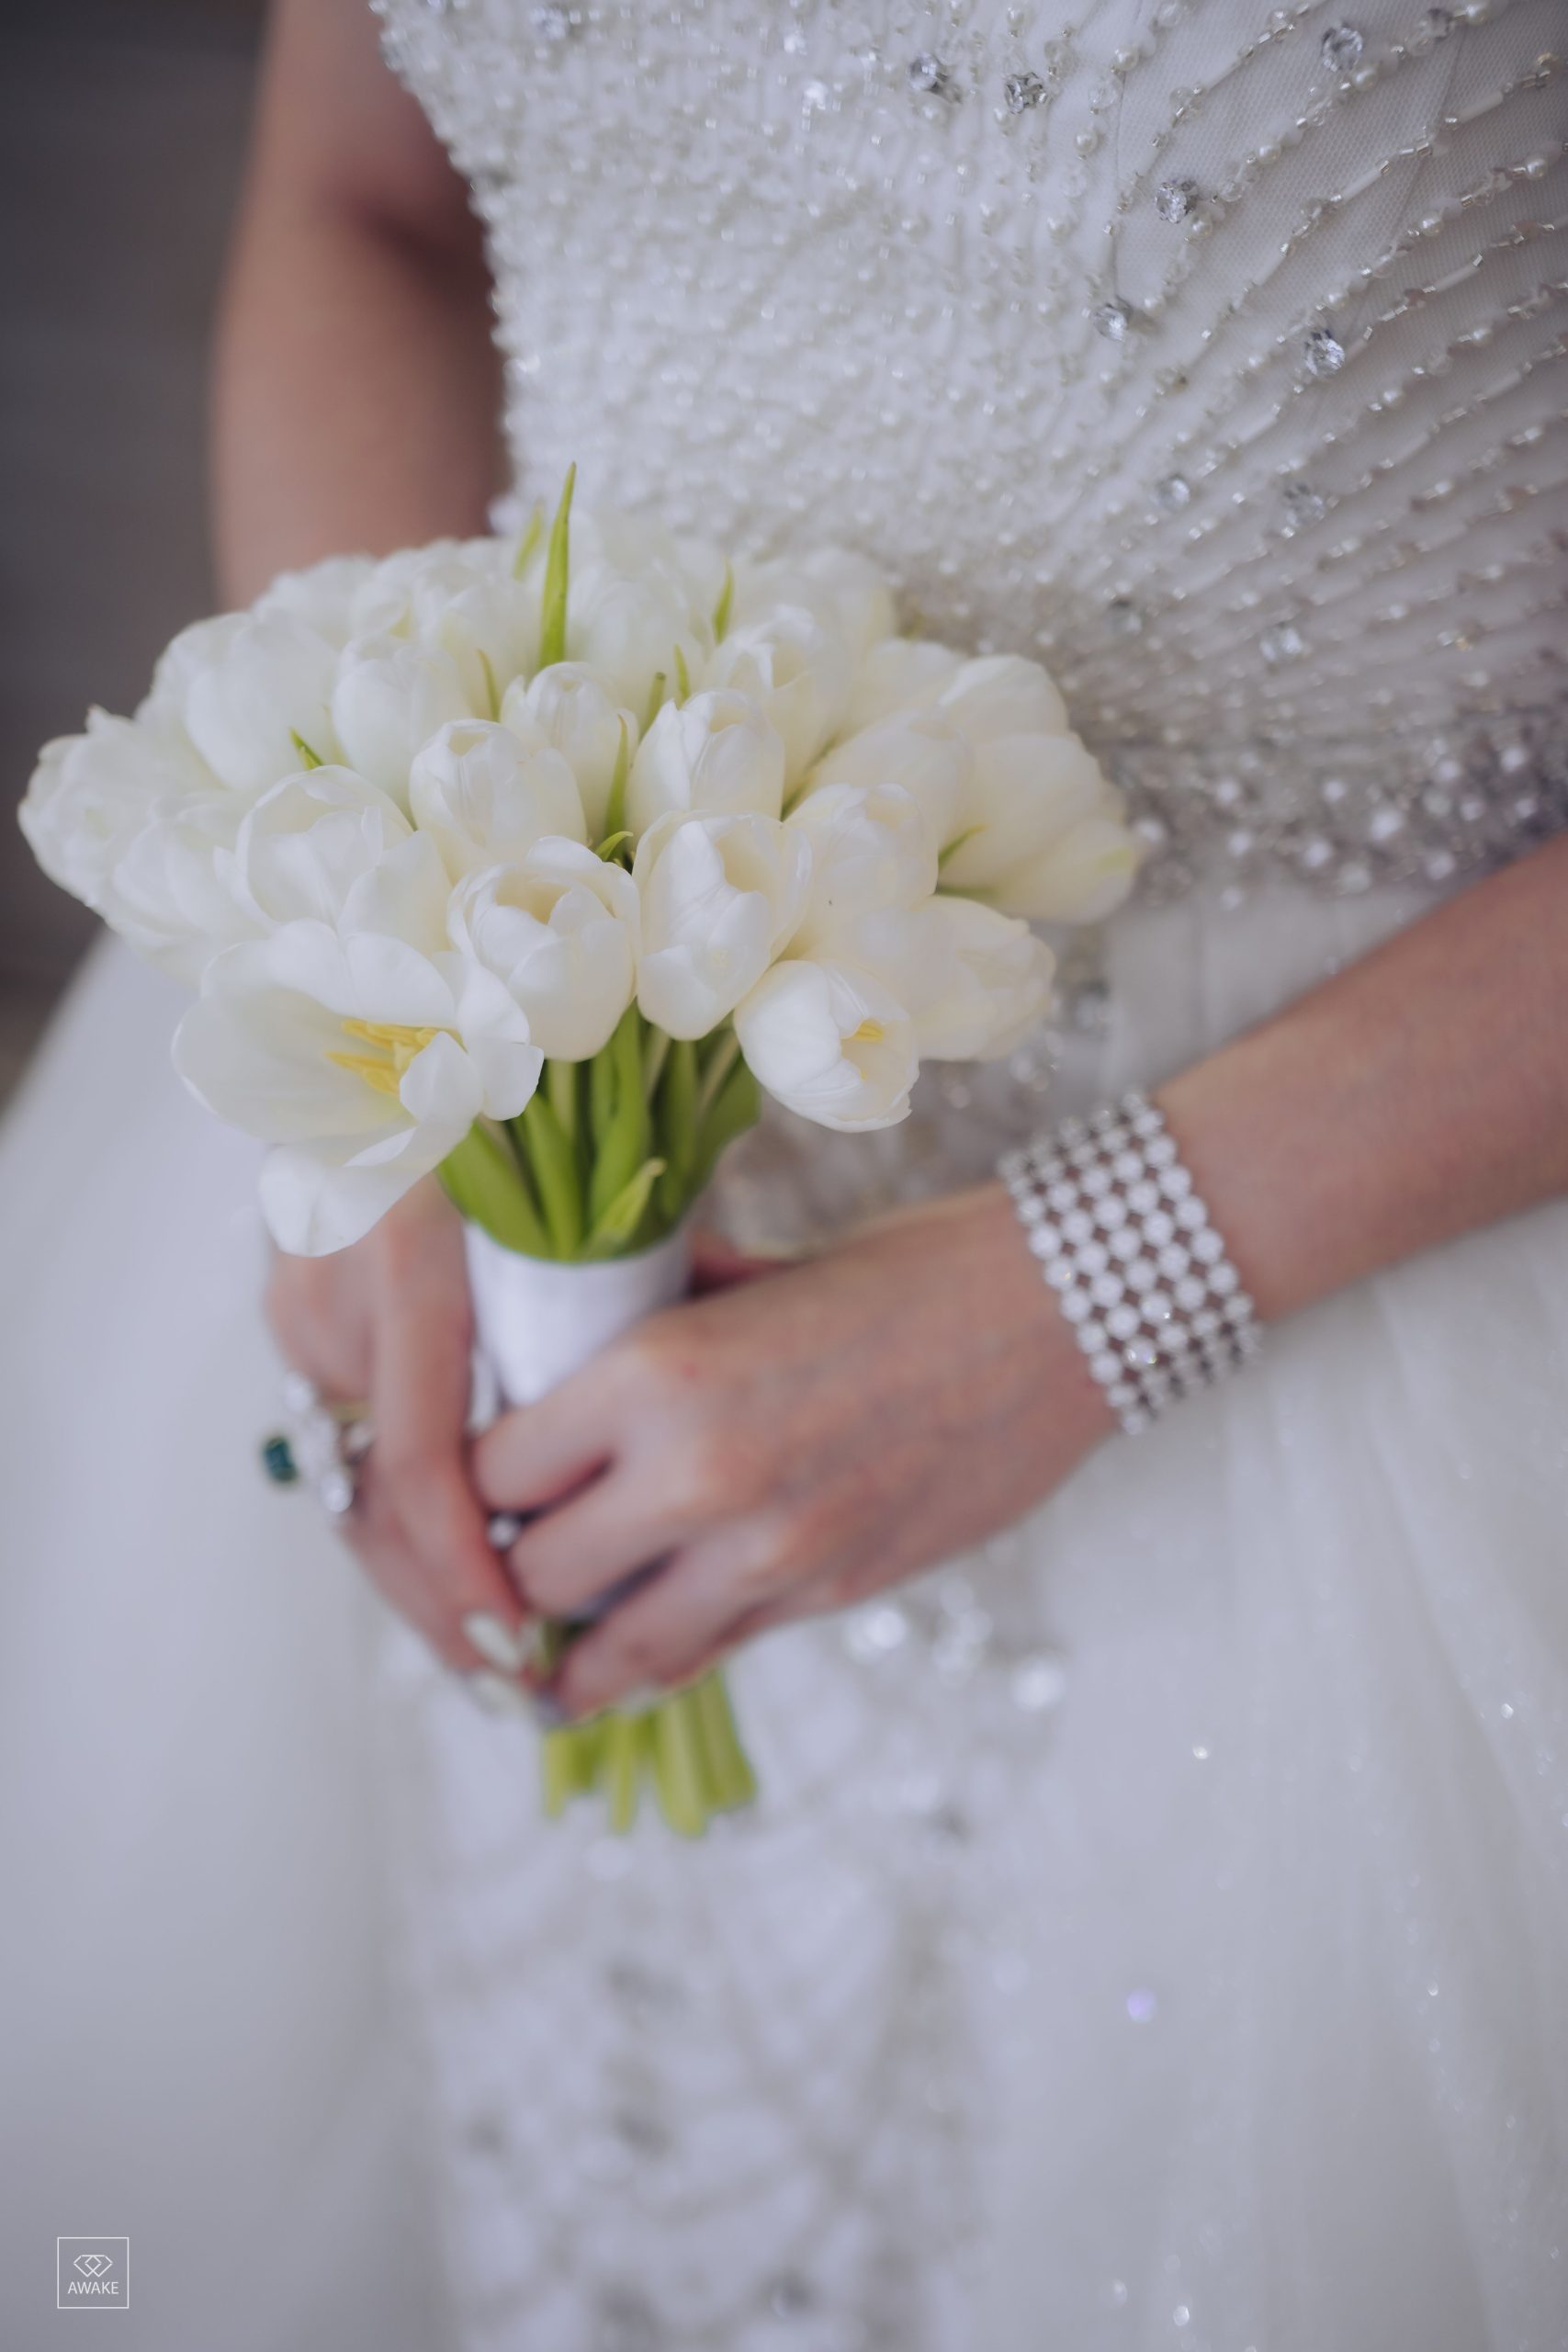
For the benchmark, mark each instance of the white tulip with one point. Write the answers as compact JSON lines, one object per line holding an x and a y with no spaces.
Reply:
{"x":830,"y":1042}
{"x":328,"y":847}
{"x":1025,"y":796}
{"x":361,"y":1061}
{"x":1002,"y":693}
{"x":324,"y":596}
{"x":919,"y":750}
{"x":566,"y":709}
{"x":92,"y":793}
{"x":974,"y":982}
{"x":1083,"y":877}
{"x":170,"y":896}
{"x":560,"y":929}
{"x":898,"y":674}
{"x":484,"y":798}
{"x":845,"y":593}
{"x":797,"y":674}
{"x":389,"y":698}
{"x":459,"y":598}
{"x":630,"y":631}
{"x":254,"y":688}
{"x":871,"y":848}
{"x":720,"y":895}
{"x":715,"y":754}
{"x":604,"y":541}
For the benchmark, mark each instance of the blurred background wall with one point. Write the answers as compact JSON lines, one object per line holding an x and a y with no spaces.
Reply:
{"x":122,"y":131}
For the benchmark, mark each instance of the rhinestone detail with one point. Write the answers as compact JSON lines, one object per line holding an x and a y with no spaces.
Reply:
{"x":1151,"y":1345}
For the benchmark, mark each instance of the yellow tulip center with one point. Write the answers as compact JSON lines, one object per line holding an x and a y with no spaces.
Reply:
{"x":389,"y":1048}
{"x":870,"y":1033}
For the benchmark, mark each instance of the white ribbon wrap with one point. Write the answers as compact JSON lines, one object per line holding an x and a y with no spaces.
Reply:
{"x":537,"y":1321}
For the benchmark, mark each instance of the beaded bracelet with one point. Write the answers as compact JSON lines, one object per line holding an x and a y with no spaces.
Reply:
{"x":1138,"y":1270}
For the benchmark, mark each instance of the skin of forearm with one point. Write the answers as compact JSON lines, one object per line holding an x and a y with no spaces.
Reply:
{"x":356,"y":398}
{"x":356,"y":391}
{"x":1420,"y":1093}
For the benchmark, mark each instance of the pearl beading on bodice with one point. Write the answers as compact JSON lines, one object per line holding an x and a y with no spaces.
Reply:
{"x":1205,"y":350}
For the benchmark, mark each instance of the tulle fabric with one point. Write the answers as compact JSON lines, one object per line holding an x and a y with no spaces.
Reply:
{"x":1217,"y":2004}
{"x":198,"y":2036}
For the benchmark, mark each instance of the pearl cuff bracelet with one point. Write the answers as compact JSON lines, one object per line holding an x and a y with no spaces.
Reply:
{"x":1138,"y":1271}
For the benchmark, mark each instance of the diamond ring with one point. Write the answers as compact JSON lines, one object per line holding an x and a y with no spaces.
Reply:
{"x":323,"y":1446}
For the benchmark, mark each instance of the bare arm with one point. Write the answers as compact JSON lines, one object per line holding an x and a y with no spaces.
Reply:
{"x":355,"y":404}
{"x":356,"y":389}
{"x":1420,"y":1095}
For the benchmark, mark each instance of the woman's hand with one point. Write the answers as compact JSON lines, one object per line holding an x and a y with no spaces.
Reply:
{"x":789,"y":1443}
{"x":387,"y":1323}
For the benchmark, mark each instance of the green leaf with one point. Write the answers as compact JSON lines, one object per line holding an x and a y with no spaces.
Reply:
{"x":615,"y":805}
{"x":483,"y":1178}
{"x":677,"y":1124}
{"x":615,"y":1231}
{"x":307,"y":758}
{"x":533,"y":531}
{"x":554,"y":1163}
{"x":721,"y":610}
{"x":683,"y":676}
{"x":655,"y":700}
{"x":557,"y":567}
{"x":628,"y":1136}
{"x":560,"y":1085}
{"x":492,"y":692}
{"x":601,"y":1094}
{"x":735,"y":1107}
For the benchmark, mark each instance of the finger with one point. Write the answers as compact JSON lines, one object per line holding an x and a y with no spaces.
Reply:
{"x":565,"y":1561}
{"x":312,"y":1317}
{"x":537,"y":1453}
{"x":417,"y":1478}
{"x":670,"y":1628}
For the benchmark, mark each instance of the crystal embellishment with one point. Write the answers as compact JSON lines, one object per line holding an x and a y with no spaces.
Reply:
{"x":1341,"y":48}
{"x":1022,"y":91}
{"x":1173,"y":494}
{"x":1174,"y":200}
{"x":1111,"y":318}
{"x":1283,"y":642}
{"x":1303,"y":505}
{"x":1322,"y":354}
{"x":930,"y":76}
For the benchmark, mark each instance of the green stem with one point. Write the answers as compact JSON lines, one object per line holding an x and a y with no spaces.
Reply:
{"x":720,"y":1063}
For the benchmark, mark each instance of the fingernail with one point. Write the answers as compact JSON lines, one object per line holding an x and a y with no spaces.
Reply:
{"x":495,"y":1694}
{"x":495,"y":1640}
{"x":548,"y":1712}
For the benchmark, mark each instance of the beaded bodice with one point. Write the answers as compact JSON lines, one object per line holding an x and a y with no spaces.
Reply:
{"x":1210,"y":350}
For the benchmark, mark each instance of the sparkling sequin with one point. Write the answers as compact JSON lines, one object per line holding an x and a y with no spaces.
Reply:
{"x":1111,"y":318}
{"x":1322,"y":354}
{"x":1341,"y":48}
{"x":1303,"y":505}
{"x":1022,"y":91}
{"x":1174,"y":200}
{"x":1283,"y":642}
{"x":928,"y":74}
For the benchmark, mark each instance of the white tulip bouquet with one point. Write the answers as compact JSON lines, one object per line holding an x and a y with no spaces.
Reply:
{"x":529,"y":863}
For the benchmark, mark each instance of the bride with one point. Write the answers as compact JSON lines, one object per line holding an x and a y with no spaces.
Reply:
{"x":1153,"y":1929}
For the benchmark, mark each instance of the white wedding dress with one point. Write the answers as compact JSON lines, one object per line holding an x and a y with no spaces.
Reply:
{"x":1154,"y":1932}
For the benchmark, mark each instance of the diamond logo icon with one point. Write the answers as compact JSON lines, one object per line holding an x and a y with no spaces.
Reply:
{"x":94,"y":2274}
